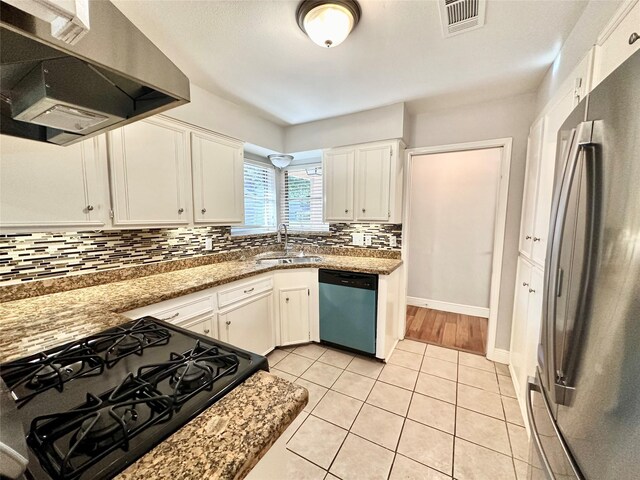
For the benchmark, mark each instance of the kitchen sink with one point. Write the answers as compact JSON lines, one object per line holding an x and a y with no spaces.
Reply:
{"x":288,"y":260}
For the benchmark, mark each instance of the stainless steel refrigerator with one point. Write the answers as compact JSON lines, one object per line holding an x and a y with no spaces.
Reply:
{"x":584,"y":404}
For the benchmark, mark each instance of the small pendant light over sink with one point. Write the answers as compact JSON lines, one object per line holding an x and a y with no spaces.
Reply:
{"x":328,"y":22}
{"x":280,"y":161}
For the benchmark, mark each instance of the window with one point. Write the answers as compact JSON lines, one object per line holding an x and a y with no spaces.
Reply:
{"x":259,"y":199}
{"x":301,"y":199}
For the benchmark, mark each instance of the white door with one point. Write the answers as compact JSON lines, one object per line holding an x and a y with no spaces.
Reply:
{"x":149,"y":173}
{"x":294,"y":315}
{"x":519,"y":328}
{"x":534,"y":150}
{"x":218,"y":181}
{"x":338,"y":167}
{"x":373,"y":177}
{"x":249,"y":325}
{"x":45,"y":185}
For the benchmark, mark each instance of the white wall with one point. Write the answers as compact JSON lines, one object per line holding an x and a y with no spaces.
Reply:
{"x":509,"y":117}
{"x":371,"y":125}
{"x":209,"y":111}
{"x":454,"y":198}
{"x":583,"y":36}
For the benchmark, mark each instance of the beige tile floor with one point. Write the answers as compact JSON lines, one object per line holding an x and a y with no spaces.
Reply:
{"x":429,"y":413}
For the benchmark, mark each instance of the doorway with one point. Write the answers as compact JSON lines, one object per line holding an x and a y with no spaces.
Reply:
{"x":455,"y":231}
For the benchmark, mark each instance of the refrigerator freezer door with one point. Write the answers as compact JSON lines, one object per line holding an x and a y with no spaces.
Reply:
{"x":600,"y":420}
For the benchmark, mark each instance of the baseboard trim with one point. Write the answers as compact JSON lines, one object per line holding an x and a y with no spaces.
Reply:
{"x":499,"y":355}
{"x":449,"y":307}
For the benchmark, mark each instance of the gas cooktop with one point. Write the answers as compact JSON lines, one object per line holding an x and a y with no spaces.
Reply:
{"x":92,"y":407}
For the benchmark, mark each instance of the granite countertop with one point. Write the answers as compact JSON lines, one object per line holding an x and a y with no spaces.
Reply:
{"x":226,"y":440}
{"x":34,"y":324}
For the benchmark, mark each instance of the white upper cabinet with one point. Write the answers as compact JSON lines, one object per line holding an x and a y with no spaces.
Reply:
{"x":373,"y":171}
{"x":46,"y":185}
{"x":337,"y":171}
{"x":534,"y":151}
{"x":218,"y":181}
{"x":149,"y":167}
{"x":615,"y":44}
{"x":363,"y":183}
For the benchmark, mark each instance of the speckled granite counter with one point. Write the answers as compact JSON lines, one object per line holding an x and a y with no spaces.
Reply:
{"x":228,"y":439}
{"x":34,"y":324}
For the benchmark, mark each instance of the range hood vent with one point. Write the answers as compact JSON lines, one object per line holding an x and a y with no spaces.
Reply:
{"x":459,"y":16}
{"x":58,"y":93}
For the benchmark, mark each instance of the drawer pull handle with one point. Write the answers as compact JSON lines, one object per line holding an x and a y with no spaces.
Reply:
{"x":633,"y":38}
{"x":249,"y":290}
{"x":206,"y":331}
{"x":172,"y":316}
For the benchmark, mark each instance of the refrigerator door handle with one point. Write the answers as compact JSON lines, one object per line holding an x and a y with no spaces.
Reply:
{"x":581,"y":139}
{"x":532,"y":386}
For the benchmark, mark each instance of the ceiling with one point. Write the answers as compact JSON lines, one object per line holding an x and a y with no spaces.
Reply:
{"x":253,"y":53}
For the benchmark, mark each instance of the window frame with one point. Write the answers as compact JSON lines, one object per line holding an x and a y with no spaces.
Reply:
{"x":241,"y":230}
{"x":283,"y":195}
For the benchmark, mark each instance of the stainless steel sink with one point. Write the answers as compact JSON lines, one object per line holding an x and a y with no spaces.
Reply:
{"x":288,"y":260}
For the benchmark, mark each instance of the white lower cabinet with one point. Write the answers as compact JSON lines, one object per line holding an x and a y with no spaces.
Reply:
{"x":525,"y":327}
{"x":248,"y":324}
{"x":204,"y":325}
{"x":294,"y":315}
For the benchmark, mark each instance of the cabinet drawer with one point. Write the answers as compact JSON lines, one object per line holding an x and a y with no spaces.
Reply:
{"x":246,"y":290}
{"x":185,"y":311}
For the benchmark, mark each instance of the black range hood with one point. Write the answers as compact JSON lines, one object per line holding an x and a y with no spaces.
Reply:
{"x":54,"y":92}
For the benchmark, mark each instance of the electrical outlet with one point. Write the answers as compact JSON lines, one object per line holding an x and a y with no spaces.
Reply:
{"x":357,"y":239}
{"x":208,"y":243}
{"x":367,"y":240}
{"x":392,"y":241}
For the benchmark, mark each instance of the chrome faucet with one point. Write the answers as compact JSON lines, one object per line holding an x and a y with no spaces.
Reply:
{"x":286,"y":237}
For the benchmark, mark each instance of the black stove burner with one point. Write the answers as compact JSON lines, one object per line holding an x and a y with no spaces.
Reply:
{"x":191,"y":372}
{"x":122,"y":341}
{"x":38,"y":373}
{"x":68,"y":443}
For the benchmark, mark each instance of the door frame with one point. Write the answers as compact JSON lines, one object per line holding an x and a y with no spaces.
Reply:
{"x":498,"y":236}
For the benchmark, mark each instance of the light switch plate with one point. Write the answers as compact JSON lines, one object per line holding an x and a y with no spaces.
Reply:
{"x":357,"y":239}
{"x":367,"y":240}
{"x":392,"y":241}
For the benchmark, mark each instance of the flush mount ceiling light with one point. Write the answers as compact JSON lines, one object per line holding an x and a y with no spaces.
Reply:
{"x":280,"y":161}
{"x":328,"y":22}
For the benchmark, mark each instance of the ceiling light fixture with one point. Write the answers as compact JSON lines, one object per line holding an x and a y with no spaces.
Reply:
{"x":328,"y":22}
{"x":280,"y":161}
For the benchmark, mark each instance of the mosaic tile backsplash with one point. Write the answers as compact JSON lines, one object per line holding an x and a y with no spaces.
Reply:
{"x":38,"y":256}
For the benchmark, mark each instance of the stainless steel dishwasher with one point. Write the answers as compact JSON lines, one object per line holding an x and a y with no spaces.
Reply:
{"x":348,"y":309}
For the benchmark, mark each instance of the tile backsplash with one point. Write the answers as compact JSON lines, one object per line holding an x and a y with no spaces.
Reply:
{"x":37,"y":256}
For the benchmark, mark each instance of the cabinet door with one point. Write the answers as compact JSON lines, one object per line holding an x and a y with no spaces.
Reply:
{"x":338,"y":167}
{"x":149,"y":174}
{"x":518,"y":350}
{"x":249,"y":325}
{"x":203,"y":326}
{"x":45,"y":185}
{"x":534,"y":150}
{"x":534,"y":320}
{"x":218,"y":181}
{"x":294,"y":315}
{"x":614,"y":47}
{"x":373,"y":174}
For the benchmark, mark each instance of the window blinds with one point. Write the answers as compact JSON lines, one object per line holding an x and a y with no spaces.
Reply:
{"x":259,"y":198}
{"x":301,"y":199}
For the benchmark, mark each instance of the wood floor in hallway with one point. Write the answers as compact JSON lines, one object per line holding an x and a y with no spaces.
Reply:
{"x":453,"y":330}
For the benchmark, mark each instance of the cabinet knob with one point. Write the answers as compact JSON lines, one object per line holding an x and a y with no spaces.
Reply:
{"x":287,"y":299}
{"x":632,"y":39}
{"x":364,"y":210}
{"x":536,"y":239}
{"x":181,"y":211}
{"x":525,"y":284}
{"x":346,"y":210}
{"x":531,"y":290}
{"x":89,"y":208}
{"x":528,"y":237}
{"x":206,"y":331}
{"x":228,"y":322}
{"x":204,"y":210}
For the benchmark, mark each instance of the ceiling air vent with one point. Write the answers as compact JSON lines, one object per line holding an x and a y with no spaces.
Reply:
{"x":459,"y":16}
